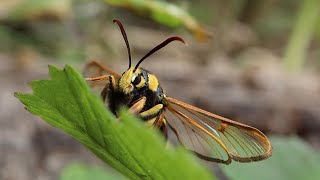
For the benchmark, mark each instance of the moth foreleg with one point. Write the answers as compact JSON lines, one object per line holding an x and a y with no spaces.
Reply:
{"x":138,"y":105}
{"x":98,"y":78}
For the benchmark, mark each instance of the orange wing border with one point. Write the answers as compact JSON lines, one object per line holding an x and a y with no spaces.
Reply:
{"x":265,"y":143}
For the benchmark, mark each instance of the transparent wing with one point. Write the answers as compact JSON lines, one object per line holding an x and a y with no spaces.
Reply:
{"x":215,"y":138}
{"x":95,"y":69}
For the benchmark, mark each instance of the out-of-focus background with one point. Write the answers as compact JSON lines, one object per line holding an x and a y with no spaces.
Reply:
{"x":257,"y":62}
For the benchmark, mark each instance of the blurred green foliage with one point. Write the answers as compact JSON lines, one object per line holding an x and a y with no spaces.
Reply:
{"x":77,"y":171}
{"x":302,"y":35}
{"x":27,"y":10}
{"x":292,"y":159}
{"x":71,"y":30}
{"x":165,"y":13}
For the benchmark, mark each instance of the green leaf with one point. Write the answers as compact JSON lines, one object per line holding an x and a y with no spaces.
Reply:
{"x":85,"y":172}
{"x":129,"y":146}
{"x":291,"y":159}
{"x":164,"y":13}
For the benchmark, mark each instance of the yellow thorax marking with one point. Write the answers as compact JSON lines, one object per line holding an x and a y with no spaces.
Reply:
{"x":125,"y":81}
{"x":153,"y":82}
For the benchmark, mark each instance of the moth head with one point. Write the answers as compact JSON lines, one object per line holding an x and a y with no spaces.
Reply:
{"x":130,"y":80}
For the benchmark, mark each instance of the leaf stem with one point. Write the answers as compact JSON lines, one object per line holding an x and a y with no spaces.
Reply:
{"x":301,"y":36}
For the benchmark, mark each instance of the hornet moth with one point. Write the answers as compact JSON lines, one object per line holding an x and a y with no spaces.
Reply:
{"x":209,"y":136}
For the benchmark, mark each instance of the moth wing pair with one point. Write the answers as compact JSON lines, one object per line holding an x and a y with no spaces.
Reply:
{"x":209,"y":136}
{"x":215,"y":138}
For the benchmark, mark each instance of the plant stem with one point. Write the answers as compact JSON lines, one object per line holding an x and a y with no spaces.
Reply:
{"x":301,"y":36}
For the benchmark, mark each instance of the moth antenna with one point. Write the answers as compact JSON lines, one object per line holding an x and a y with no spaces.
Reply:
{"x":163,"y":44}
{"x":123,"y":32}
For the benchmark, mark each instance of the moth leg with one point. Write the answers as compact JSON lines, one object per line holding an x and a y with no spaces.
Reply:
{"x":164,"y":127}
{"x":108,"y":90}
{"x":159,"y":122}
{"x":102,"y":68}
{"x":138,"y":105}
{"x":98,"y":78}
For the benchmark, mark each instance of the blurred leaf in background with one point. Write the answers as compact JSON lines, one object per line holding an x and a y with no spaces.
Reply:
{"x":40,"y":26}
{"x":65,"y":30}
{"x":165,"y":13}
{"x":77,"y":171}
{"x":302,"y":34}
{"x":292,"y":159}
{"x":22,"y":10}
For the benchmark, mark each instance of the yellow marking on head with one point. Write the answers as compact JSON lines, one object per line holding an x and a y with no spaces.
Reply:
{"x":154,"y":110}
{"x":125,"y":81}
{"x":138,"y":71}
{"x":153,"y":82}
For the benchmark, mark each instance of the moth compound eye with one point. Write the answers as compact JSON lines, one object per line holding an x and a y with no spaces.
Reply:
{"x":136,"y":80}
